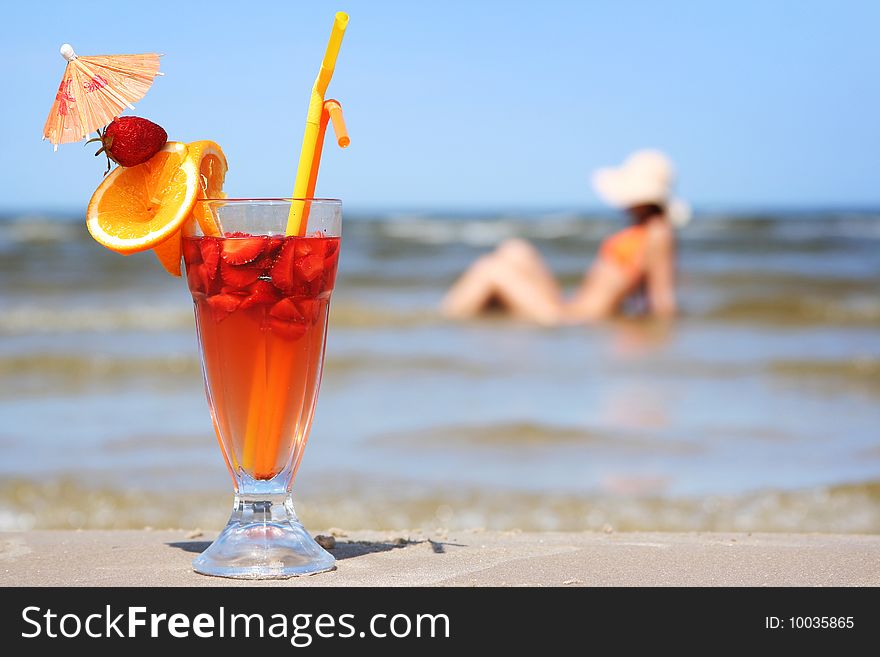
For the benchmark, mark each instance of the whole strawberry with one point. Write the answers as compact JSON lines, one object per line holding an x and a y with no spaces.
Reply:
{"x":130,"y":140}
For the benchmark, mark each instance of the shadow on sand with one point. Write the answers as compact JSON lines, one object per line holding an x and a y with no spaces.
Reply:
{"x":342,"y":550}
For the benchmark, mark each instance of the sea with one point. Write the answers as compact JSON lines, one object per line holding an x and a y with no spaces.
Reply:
{"x":757,"y":410}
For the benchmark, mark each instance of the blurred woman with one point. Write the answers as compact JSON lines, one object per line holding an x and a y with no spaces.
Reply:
{"x":635,"y":262}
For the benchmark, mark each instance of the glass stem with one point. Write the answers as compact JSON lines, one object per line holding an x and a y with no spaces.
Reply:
{"x":262,"y":508}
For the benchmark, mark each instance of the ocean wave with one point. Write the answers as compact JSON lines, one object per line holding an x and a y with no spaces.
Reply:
{"x":78,"y":366}
{"x":798,"y":310}
{"x":849,"y":228}
{"x":44,"y":319}
{"x":33,"y":319}
{"x":366,"y":504}
{"x":861,"y":373}
{"x":489,"y":231}
{"x":786,"y":283}
{"x":35,"y":229}
{"x":783,"y":309}
{"x":41,"y":372}
{"x":484,"y":229}
{"x":515,"y":435}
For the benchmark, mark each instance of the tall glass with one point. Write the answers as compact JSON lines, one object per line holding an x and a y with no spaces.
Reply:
{"x":261,"y":302}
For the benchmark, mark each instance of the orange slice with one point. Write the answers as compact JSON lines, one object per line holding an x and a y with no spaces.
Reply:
{"x":211,"y":163}
{"x":170,"y":252}
{"x":212,"y":172}
{"x":136,"y":208}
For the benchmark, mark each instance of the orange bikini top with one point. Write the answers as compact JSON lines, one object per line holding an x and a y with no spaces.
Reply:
{"x":626,"y":248}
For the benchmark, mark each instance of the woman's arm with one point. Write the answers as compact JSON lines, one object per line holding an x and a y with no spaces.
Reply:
{"x":660,"y":269}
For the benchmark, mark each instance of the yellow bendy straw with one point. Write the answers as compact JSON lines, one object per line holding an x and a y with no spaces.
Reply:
{"x":260,"y":455}
{"x":295,"y":223}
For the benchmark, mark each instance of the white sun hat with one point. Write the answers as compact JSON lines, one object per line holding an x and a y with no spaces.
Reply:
{"x":646,"y":176}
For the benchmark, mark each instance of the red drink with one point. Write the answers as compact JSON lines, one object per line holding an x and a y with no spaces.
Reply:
{"x":261,"y":307}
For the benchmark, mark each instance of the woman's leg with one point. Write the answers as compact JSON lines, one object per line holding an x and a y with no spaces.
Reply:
{"x":526,"y":297}
{"x":473,"y":290}
{"x":525,"y":257}
{"x":516,"y":276}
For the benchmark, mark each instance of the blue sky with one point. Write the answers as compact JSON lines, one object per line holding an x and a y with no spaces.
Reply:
{"x":477,"y":105}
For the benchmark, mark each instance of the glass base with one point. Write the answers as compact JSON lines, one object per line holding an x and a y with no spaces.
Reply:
{"x":263,"y":540}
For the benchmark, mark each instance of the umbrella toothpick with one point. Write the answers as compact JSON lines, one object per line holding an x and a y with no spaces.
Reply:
{"x":95,"y":90}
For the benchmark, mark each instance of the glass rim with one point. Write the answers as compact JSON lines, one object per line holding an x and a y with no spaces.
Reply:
{"x":271,"y":200}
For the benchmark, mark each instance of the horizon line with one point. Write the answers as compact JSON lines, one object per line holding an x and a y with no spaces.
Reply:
{"x":522,"y":209}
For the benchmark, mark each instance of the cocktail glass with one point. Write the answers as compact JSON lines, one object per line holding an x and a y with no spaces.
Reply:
{"x":261,"y":302}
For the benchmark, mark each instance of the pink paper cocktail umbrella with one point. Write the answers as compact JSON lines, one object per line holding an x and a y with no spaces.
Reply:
{"x":95,"y":90}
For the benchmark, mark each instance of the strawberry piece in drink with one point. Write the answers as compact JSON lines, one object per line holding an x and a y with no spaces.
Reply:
{"x":199,"y":281}
{"x":231,"y":289}
{"x":194,"y":276}
{"x":238,"y":277}
{"x":273,"y":244}
{"x":310,"y":267}
{"x":289,"y":330}
{"x":287,"y":320}
{"x":192,"y":253}
{"x":286,"y":310}
{"x":210,"y":249}
{"x":307,"y":309}
{"x":330,"y":263}
{"x":282,"y":270}
{"x":260,"y":293}
{"x":223,"y":305}
{"x":242,"y":250}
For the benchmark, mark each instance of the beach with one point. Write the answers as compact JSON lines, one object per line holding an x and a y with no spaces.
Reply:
{"x":756,"y":411}
{"x":466,"y":558}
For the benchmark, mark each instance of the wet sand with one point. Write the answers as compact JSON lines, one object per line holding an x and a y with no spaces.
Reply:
{"x":467,"y":558}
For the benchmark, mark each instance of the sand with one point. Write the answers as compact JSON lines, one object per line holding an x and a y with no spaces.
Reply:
{"x":466,"y":558}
